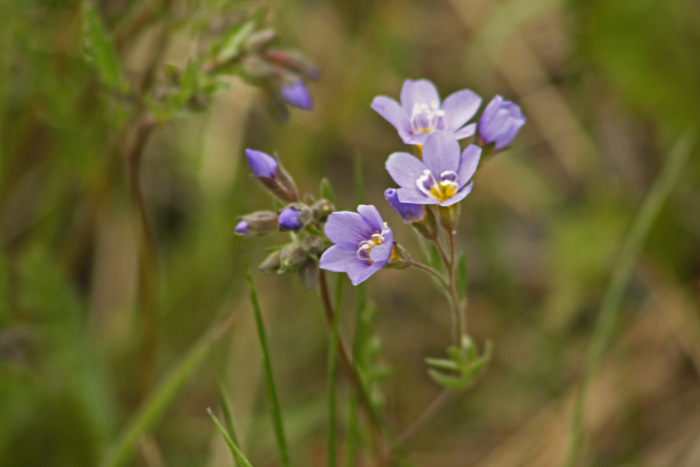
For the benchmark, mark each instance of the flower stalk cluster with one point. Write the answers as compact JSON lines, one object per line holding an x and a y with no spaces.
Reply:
{"x":433,"y":182}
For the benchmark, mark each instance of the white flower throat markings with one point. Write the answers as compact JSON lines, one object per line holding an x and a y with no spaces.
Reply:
{"x":427,"y":119}
{"x":443,"y":189}
{"x":376,"y":239}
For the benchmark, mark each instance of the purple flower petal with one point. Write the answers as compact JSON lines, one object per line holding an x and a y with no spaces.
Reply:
{"x":461,"y":194}
{"x":337,"y":257}
{"x":392,"y":112}
{"x":420,"y":91}
{"x":413,"y":196}
{"x":358,"y":271}
{"x":382,"y":253}
{"x":404,"y":169}
{"x":297,"y":94}
{"x":460,"y":107}
{"x":347,"y":227}
{"x":466,"y":131}
{"x":262,"y":165}
{"x":469,"y":161}
{"x":418,"y":139}
{"x":371,"y":216}
{"x":441,"y":153}
{"x":408,"y":212}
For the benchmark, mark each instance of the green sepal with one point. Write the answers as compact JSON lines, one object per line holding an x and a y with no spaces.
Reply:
{"x":327,"y":190}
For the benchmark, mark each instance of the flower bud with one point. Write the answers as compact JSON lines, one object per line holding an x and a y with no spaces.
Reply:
{"x":295,"y":216}
{"x":262,"y":165}
{"x":400,"y":259}
{"x":260,"y":40}
{"x":256,"y":69}
{"x":272,"y":175}
{"x":408,"y":212}
{"x":297,"y":95}
{"x":242,"y":228}
{"x":295,"y":62}
{"x":292,"y":257}
{"x":449,"y":215}
{"x":322,"y":209}
{"x":272,"y":262}
{"x":314,"y":245}
{"x":260,"y":222}
{"x":500,"y":123}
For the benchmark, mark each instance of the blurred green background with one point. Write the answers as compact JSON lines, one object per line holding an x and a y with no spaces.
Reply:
{"x":607,"y":87}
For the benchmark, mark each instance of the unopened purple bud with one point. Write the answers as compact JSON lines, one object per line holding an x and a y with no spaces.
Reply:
{"x":261,"y":164}
{"x":408,"y":212}
{"x":297,"y":95}
{"x":242,"y":228}
{"x":289,"y":218}
{"x":500,"y":123}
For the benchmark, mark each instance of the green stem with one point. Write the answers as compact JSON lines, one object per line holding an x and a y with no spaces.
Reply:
{"x":610,"y":307}
{"x":269,"y":377}
{"x":332,"y":374}
{"x":431,"y":271}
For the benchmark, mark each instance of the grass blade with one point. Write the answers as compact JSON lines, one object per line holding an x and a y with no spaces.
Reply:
{"x":269,"y":378}
{"x":610,"y":307}
{"x":225,"y":403}
{"x":237,"y":454}
{"x":121,"y":450}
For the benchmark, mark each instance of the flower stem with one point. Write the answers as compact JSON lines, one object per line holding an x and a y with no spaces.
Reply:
{"x":371,"y":412}
{"x":431,"y":271}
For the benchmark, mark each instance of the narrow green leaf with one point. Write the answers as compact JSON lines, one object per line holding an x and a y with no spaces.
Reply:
{"x":327,"y":190}
{"x":443,"y":364}
{"x":269,"y":378}
{"x":121,"y":450}
{"x":233,"y":42}
{"x":99,"y":49}
{"x":225,"y":402}
{"x":237,"y":454}
{"x":462,"y":274}
{"x":449,"y":382}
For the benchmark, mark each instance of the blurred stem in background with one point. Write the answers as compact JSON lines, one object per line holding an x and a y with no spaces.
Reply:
{"x":612,"y":301}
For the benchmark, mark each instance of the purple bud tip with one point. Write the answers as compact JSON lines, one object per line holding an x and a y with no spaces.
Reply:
{"x":262,"y":165}
{"x":408,"y":212}
{"x":297,"y":95}
{"x":289,"y":219}
{"x":242,"y":228}
{"x":500,"y":123}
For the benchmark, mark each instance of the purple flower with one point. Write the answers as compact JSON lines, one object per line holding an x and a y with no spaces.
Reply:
{"x":421,"y":113}
{"x":297,"y":94}
{"x":441,"y":177}
{"x":408,"y":212}
{"x":363,"y":243}
{"x":500,"y":123}
{"x":262,"y":165}
{"x":242,"y":228}
{"x":289,"y":218}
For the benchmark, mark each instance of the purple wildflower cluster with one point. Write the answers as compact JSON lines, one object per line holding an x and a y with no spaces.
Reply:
{"x":430,"y":182}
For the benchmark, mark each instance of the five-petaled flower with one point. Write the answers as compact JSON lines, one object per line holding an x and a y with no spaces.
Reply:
{"x":363,"y":243}
{"x":500,"y":123}
{"x":441,"y":177}
{"x":421,"y":112}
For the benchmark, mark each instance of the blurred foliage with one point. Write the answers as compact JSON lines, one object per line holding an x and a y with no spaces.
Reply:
{"x":607,"y":86}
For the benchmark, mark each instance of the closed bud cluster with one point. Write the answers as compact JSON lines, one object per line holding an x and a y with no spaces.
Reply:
{"x":272,"y":175}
